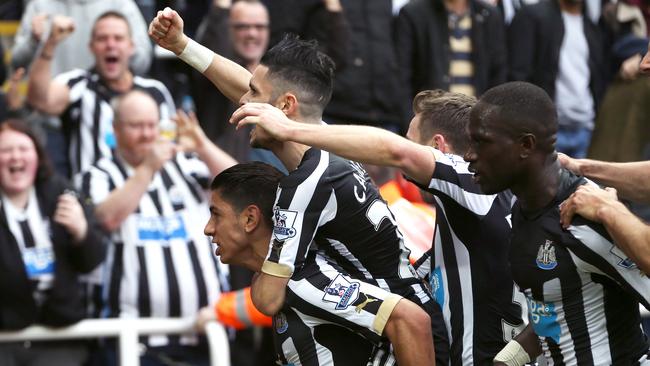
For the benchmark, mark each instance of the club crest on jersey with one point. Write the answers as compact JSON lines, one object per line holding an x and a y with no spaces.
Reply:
{"x":624,"y":262}
{"x":283,"y":221}
{"x":341,"y":292}
{"x":546,"y":256}
{"x":281,"y":324}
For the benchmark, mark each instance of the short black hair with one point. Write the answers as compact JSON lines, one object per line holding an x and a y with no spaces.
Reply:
{"x":253,"y":183}
{"x":521,"y":108}
{"x":304,"y":70}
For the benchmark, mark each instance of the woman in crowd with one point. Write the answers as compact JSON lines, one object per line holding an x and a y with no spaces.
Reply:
{"x":47,"y":239}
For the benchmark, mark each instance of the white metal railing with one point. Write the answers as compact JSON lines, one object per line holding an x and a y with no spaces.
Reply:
{"x":127,"y":332}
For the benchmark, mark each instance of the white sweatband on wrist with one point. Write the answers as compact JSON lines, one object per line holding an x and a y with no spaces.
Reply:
{"x":197,"y":56}
{"x":513,"y":354}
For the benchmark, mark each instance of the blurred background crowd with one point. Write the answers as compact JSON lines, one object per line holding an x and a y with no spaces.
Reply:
{"x":63,"y":64}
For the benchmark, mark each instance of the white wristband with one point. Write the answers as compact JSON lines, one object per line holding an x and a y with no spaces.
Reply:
{"x":513,"y":354}
{"x":197,"y":56}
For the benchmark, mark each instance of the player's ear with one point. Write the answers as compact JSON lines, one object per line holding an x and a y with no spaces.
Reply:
{"x":527,"y":144}
{"x":288,"y":103}
{"x":251,"y":217}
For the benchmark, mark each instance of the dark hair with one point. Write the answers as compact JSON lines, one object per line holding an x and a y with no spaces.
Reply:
{"x":44,"y":170}
{"x":521,"y":108}
{"x":446,"y":113}
{"x":110,"y":14}
{"x":253,"y":183}
{"x":298,"y":66}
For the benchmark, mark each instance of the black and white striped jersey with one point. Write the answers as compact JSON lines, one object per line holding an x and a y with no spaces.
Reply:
{"x":467,"y":265}
{"x":336,"y":329}
{"x":88,"y":120}
{"x":31,"y":230}
{"x":583,"y":293}
{"x":160,"y":263}
{"x":332,"y":201}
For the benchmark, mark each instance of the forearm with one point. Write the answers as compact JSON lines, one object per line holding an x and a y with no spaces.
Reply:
{"x":123,"y":201}
{"x":369,"y":145}
{"x":229,"y":77}
{"x":40,"y":79}
{"x":216,"y":159}
{"x":629,"y":179}
{"x":629,"y":233}
{"x":268,"y":293}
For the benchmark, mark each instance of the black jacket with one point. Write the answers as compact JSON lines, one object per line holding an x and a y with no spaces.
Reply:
{"x":64,"y":305}
{"x":422,"y":41}
{"x":534,"y":41}
{"x":368,"y":90}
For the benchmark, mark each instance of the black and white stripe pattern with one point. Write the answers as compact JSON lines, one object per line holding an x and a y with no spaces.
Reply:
{"x":315,"y":333}
{"x":583,"y":292}
{"x":88,"y":120}
{"x":467,"y":264}
{"x":32,"y":233}
{"x":160,"y":264}
{"x":332,"y":201}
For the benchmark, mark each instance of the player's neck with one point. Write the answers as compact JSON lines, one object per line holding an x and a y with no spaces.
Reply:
{"x":260,"y":245}
{"x":539,"y":187}
{"x":122,"y":84}
{"x":290,"y":154}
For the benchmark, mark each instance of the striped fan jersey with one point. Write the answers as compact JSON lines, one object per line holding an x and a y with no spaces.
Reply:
{"x":467,"y":265}
{"x":159,"y":264}
{"x":88,"y":121}
{"x":583,"y":293}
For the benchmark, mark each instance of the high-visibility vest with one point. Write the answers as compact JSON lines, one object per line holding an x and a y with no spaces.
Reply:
{"x":236,"y":309}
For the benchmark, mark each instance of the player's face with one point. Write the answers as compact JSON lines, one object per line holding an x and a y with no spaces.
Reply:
{"x":260,"y":90}
{"x":137,"y":129}
{"x":226,"y":229}
{"x":112,"y":46}
{"x":249,"y":30}
{"x":493,"y":154}
{"x":413,"y":132}
{"x":18,"y":162}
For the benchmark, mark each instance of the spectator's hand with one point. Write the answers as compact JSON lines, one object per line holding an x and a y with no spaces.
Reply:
{"x":630,"y":68}
{"x":160,"y":153}
{"x":333,"y":5}
{"x":190,"y":135}
{"x":38,"y":26}
{"x":586,"y":201}
{"x":166,"y":29}
{"x":204,"y":316}
{"x":70,"y":215}
{"x":569,"y":163}
{"x":645,"y":64}
{"x":15,"y":101}
{"x":62,"y":26}
{"x":264,"y":115}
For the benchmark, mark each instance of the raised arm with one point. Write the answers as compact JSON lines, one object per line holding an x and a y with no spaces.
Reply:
{"x":359,"y":143}
{"x":45,"y":94}
{"x":191,"y":138}
{"x":123,"y":201}
{"x":628,"y":232}
{"x":631,"y":180}
{"x":166,"y":29}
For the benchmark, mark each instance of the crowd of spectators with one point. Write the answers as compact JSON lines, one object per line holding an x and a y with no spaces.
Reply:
{"x":99,"y":96}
